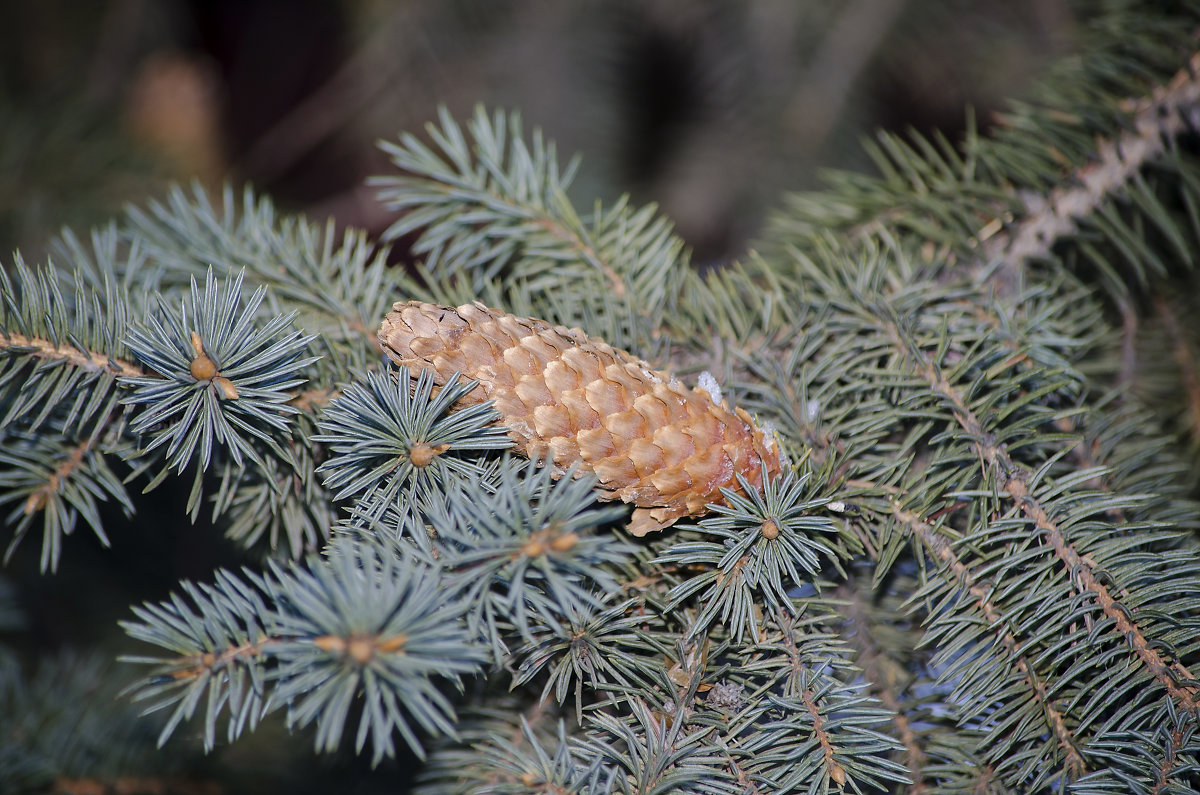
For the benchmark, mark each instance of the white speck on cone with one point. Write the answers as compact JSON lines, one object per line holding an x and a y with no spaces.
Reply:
{"x":708,"y":382}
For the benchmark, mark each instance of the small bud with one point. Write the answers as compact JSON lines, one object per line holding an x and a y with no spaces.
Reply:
{"x":565,"y":542}
{"x":421,"y":454}
{"x":203,"y":368}
{"x":769,"y":529}
{"x":331,"y":643}
{"x":393,"y":644}
{"x":361,"y":649}
{"x":35,"y":502}
{"x":228,"y":390}
{"x":534,"y":548}
{"x":197,"y":344}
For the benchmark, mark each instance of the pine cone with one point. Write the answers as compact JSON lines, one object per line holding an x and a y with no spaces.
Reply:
{"x":572,"y":399}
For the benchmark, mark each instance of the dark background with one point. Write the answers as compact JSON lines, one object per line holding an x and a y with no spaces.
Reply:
{"x":711,"y":108}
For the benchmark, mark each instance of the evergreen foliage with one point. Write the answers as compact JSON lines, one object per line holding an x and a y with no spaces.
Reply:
{"x":980,"y":571}
{"x":379,"y":435}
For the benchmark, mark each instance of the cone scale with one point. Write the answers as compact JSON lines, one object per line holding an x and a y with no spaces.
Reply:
{"x":572,"y":399}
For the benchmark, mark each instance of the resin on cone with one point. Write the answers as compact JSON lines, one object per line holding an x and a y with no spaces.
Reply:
{"x":574,"y":399}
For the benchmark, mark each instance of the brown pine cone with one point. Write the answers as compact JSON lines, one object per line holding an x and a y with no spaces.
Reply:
{"x":570,"y":398}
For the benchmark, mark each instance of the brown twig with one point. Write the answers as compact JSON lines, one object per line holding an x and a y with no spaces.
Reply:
{"x":588,"y":254}
{"x":193,"y":666}
{"x":1170,"y":761}
{"x":87,"y":360}
{"x":835,"y":770}
{"x":41,"y":496}
{"x":832,"y":767}
{"x":1169,"y":112}
{"x":941,"y":549}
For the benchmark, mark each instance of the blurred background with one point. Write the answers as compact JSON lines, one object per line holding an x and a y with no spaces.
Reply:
{"x":708,"y":107}
{"x":711,"y":108}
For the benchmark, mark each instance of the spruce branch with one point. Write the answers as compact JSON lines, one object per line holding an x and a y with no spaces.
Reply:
{"x":62,"y":355}
{"x":764,"y":545}
{"x":59,"y":481}
{"x":108,"y":259}
{"x":49,"y":351}
{"x":219,"y":378}
{"x":806,"y":711}
{"x":356,"y":626}
{"x":602,"y":649}
{"x":1015,"y":564}
{"x":1093,"y":159}
{"x":69,"y":357}
{"x":656,"y":750}
{"x":395,"y":445}
{"x":1019,"y":378}
{"x":60,"y":348}
{"x":493,"y":219}
{"x":513,"y":186}
{"x":1009,"y":604}
{"x":531,"y":765}
{"x":514,"y":748}
{"x":747,"y":734}
{"x":1154,"y":122}
{"x":217,"y":634}
{"x":1086,"y":577}
{"x":946,"y":635}
{"x":281,"y":500}
{"x":1146,"y":764}
{"x":362,"y":626}
{"x":339,"y":290}
{"x":529,"y":552}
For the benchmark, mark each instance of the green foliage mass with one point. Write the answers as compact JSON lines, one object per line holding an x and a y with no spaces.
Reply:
{"x":979,"y":571}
